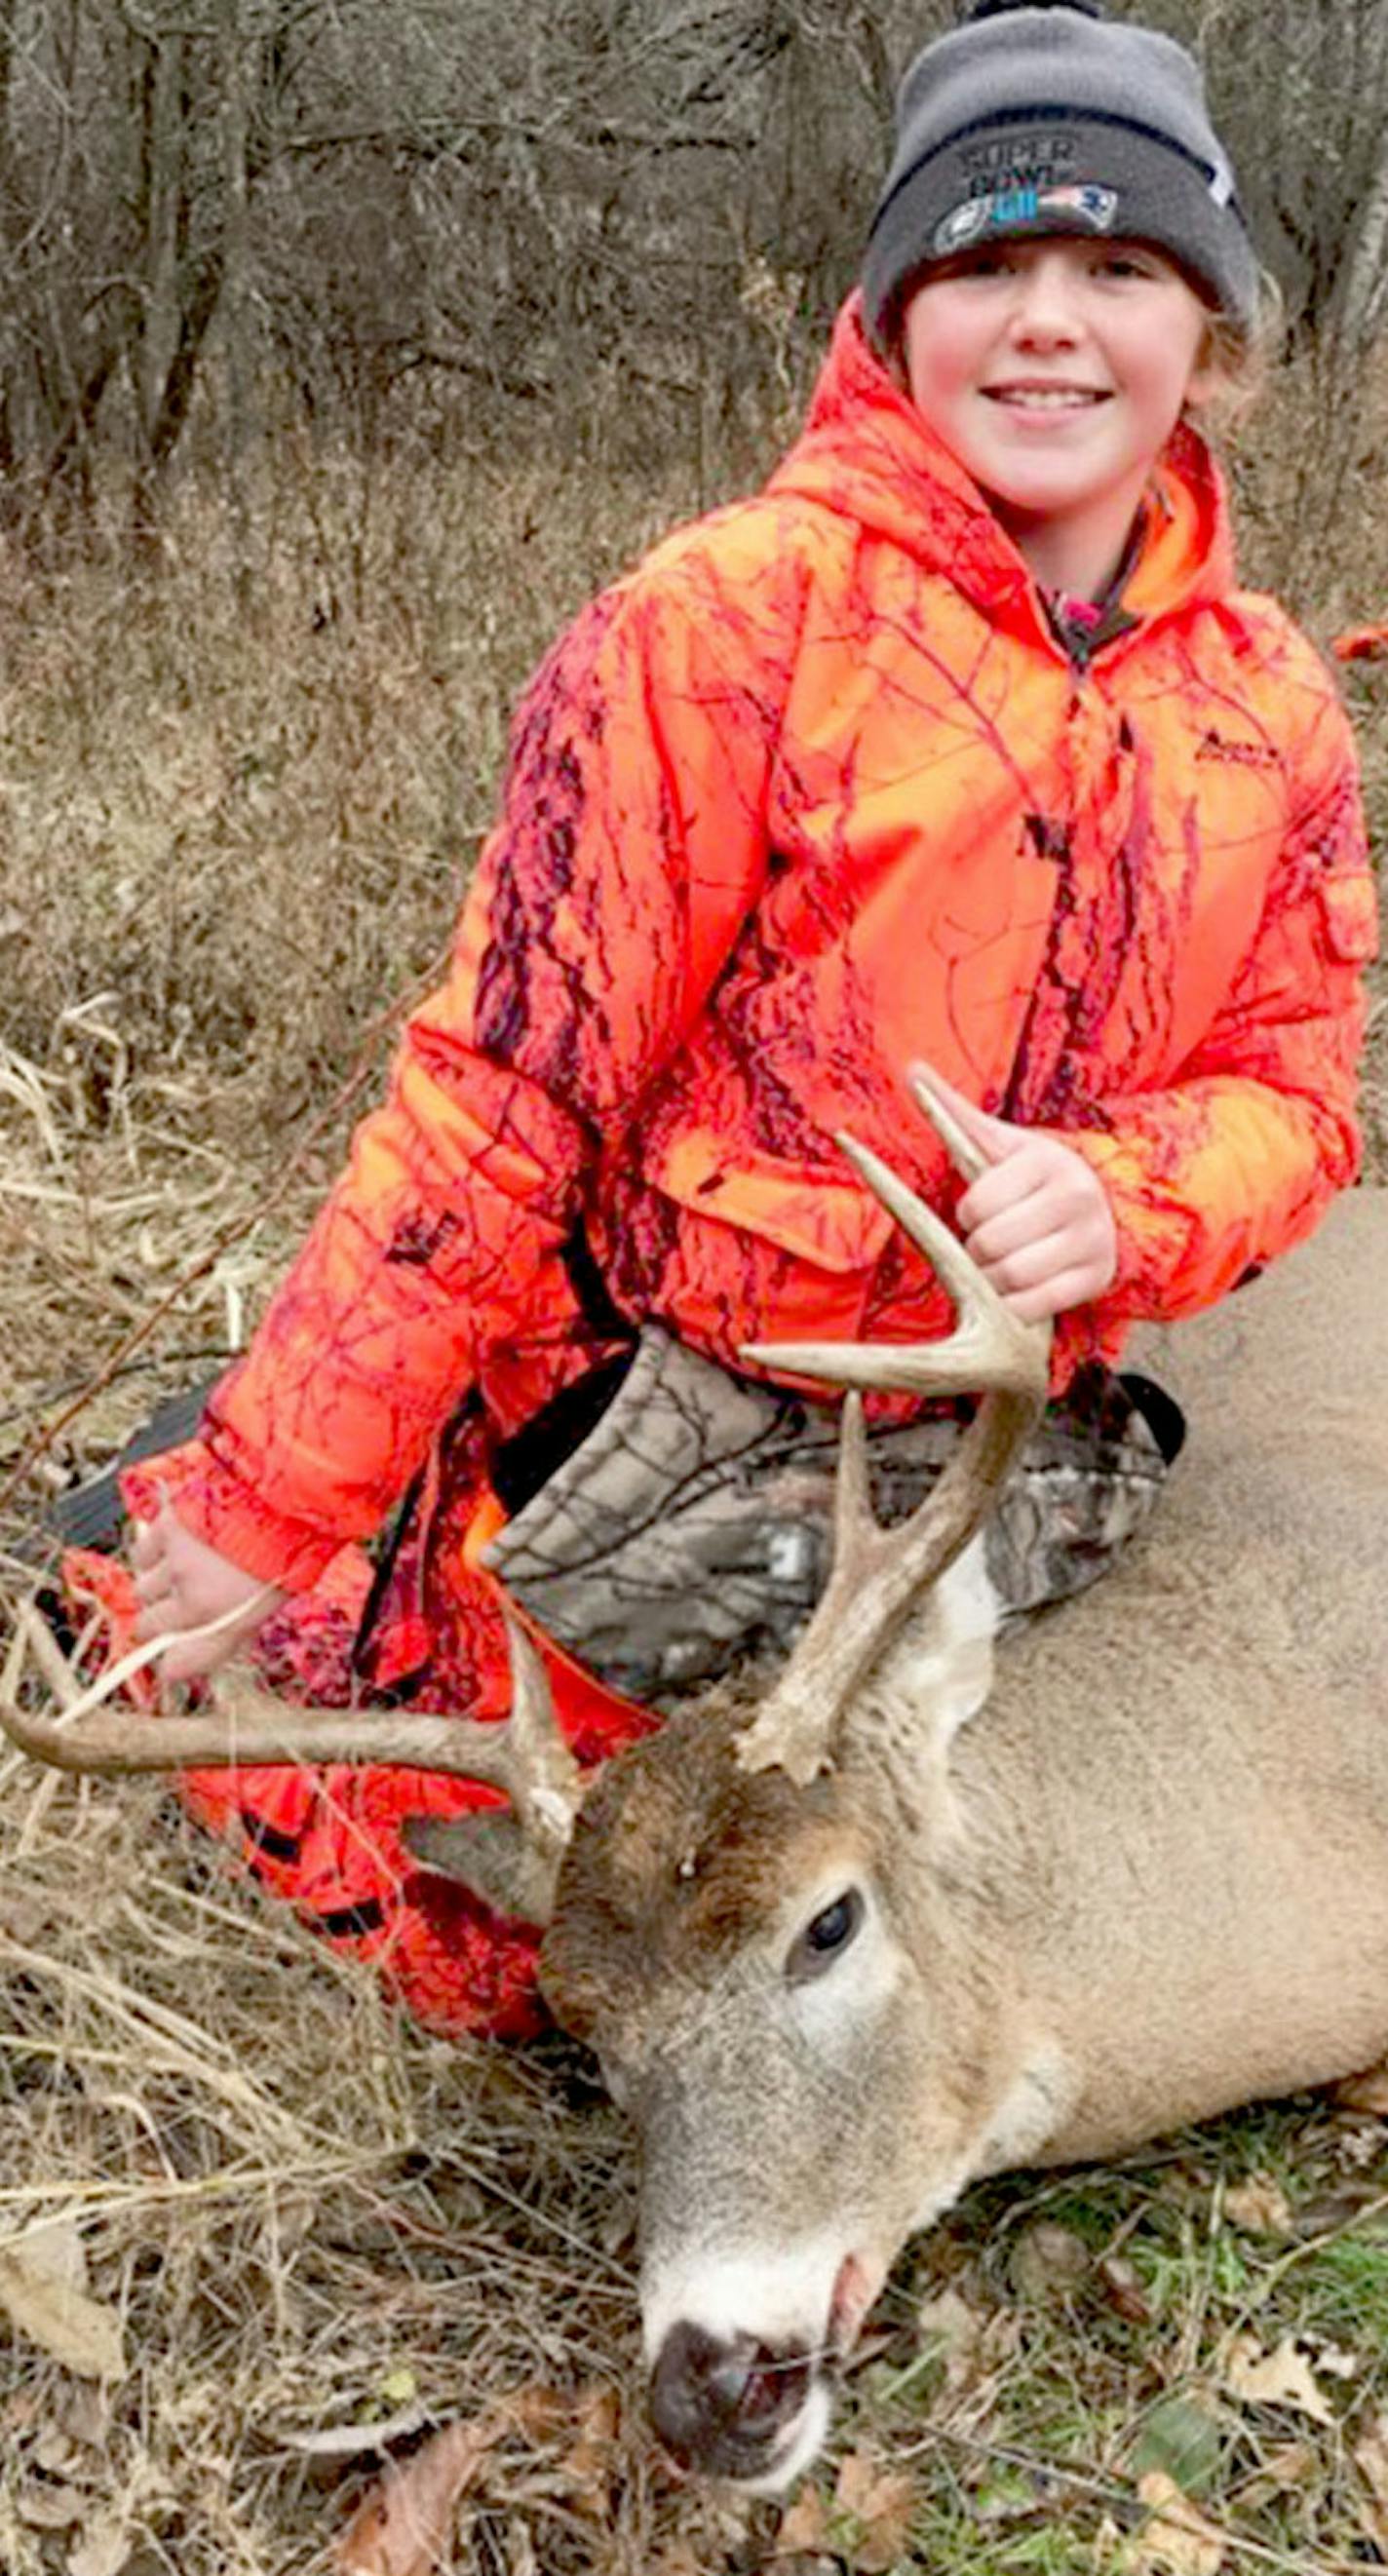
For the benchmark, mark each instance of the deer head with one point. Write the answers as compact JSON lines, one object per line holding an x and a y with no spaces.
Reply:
{"x":765,"y":1920}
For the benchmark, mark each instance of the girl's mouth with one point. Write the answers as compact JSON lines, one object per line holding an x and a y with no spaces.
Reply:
{"x":1045,"y":398}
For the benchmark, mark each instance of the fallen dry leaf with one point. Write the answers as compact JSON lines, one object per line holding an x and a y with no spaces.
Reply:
{"x":1283,"y":2377}
{"x":541,"y":2411}
{"x":1283,"y":2470}
{"x":881,"y":2503}
{"x":46,"y":2506}
{"x":948,"y":2320}
{"x":1122,"y":2288}
{"x":43,"y":2293}
{"x":1177,"y":2537}
{"x":804,"y":2526}
{"x":404,"y":2527}
{"x":678,"y":2558}
{"x":56,"y":2453}
{"x":83,"y":2408}
{"x":1371,"y":2460}
{"x":973,"y":2341}
{"x":588,"y":2463}
{"x":1364,"y":2092}
{"x":1049,"y":2263}
{"x":1260,"y":2205}
{"x":1371,"y":2456}
{"x":104,"y":2548}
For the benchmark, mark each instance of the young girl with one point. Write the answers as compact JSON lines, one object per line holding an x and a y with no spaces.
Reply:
{"x":956,"y":745}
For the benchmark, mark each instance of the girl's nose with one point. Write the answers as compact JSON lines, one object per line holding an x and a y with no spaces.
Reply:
{"x":1044,"y":311}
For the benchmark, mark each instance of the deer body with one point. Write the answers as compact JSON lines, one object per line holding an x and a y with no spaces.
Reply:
{"x":1190,"y":1919}
{"x":846,"y":1948}
{"x":1148,"y":1882}
{"x":1196,"y":1754}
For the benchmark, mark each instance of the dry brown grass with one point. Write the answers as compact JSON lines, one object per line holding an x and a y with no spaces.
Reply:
{"x":233,"y":830}
{"x":233,"y":822}
{"x":308,"y":2217}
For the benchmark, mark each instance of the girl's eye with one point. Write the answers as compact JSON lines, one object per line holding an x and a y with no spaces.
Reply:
{"x":969,"y":264}
{"x":826,"y":1937}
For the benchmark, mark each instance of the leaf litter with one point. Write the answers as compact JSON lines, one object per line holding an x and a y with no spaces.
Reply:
{"x":43,"y":2291}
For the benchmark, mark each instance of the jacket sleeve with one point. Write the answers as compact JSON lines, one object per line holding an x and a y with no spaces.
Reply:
{"x":630,"y":848}
{"x":1238,"y":1160}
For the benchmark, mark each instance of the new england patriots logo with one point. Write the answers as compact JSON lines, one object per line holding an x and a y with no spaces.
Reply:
{"x":1081,"y":206}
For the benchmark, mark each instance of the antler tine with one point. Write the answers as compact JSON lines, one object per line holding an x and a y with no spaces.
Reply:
{"x":969,"y":1159}
{"x":546,"y":1784}
{"x":988,"y":1349}
{"x":852,"y":1486}
{"x":877,"y":1574}
{"x":526,"y":1757}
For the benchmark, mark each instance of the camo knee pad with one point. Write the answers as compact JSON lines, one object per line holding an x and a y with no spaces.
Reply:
{"x":693,"y":1525}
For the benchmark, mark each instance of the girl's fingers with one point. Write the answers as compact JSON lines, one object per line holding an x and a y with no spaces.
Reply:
{"x":1038,"y":1221}
{"x":1049,"y":1208}
{"x":157,"y":1600}
{"x":1031,"y":1241}
{"x":189,"y":1663}
{"x":1048,"y":1279}
{"x":1054,"y":1296}
{"x":1009,"y":1194}
{"x":189,"y":1656}
{"x":156,"y":1619}
{"x":1027,"y":1262}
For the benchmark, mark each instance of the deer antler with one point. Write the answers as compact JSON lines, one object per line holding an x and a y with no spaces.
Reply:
{"x":876,"y":1574}
{"x":527,"y":1756}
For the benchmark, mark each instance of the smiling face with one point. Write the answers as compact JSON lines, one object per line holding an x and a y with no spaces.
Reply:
{"x":1055,"y":370}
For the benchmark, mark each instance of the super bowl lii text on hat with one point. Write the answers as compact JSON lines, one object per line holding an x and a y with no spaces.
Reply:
{"x":1056,"y":119}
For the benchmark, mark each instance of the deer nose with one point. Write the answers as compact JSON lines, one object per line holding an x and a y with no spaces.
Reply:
{"x":717,"y":2406}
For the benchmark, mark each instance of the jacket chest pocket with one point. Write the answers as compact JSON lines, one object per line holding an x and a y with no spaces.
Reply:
{"x":830,"y":1224}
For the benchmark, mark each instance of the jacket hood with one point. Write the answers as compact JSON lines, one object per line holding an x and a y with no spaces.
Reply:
{"x":866,"y":454}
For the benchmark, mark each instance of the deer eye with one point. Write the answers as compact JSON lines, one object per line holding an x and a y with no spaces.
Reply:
{"x":825,"y":1937}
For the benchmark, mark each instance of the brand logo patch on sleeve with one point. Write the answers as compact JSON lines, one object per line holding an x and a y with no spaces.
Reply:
{"x":1214,"y":745}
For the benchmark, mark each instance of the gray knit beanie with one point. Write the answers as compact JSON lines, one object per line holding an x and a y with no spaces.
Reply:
{"x":1052,"y":118}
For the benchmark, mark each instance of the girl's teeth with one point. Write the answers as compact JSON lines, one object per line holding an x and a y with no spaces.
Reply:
{"x":1049,"y":401}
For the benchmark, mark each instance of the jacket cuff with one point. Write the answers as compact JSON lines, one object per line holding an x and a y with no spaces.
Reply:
{"x":218,"y":1508}
{"x":1154,"y":1235}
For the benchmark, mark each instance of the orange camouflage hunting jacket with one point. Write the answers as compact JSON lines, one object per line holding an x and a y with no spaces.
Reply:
{"x":812,"y":792}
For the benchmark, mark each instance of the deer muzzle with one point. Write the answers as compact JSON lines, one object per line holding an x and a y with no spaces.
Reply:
{"x":736,"y":2408}
{"x":752,"y":2402}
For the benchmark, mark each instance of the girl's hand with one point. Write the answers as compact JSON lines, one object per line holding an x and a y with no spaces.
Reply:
{"x":183,"y":1584}
{"x":1038,"y":1221}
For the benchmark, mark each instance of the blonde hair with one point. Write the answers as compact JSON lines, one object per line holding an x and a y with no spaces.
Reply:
{"x":1239,"y":356}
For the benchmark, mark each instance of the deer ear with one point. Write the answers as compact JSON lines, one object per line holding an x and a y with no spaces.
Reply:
{"x":947,"y":1652}
{"x":490,"y":1855}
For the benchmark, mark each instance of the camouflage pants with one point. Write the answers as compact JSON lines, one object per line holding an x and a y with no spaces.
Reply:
{"x":692,"y":1526}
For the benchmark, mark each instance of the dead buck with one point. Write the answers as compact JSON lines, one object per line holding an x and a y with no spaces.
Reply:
{"x":840,"y":1955}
